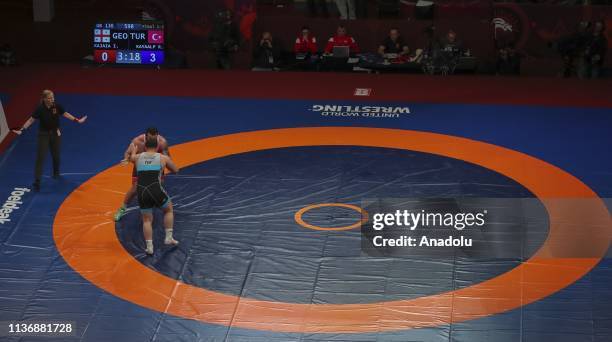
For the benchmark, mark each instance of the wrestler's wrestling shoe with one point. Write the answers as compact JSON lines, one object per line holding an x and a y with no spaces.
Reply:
{"x":120,"y":213}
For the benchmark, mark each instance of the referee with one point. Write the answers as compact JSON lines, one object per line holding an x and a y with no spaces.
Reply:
{"x":49,"y":134}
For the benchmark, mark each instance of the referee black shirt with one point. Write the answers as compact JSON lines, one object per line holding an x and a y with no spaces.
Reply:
{"x":49,"y":117}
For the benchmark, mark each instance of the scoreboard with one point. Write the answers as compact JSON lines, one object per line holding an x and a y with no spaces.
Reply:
{"x":129,"y":43}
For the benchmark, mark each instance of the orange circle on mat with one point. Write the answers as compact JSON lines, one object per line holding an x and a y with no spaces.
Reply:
{"x":298,"y":216}
{"x":85,"y":236}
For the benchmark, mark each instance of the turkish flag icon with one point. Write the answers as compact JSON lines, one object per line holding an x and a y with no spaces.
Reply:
{"x":155,"y":37}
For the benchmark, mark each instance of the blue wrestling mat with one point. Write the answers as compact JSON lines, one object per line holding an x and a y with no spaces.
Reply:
{"x":247,"y":270}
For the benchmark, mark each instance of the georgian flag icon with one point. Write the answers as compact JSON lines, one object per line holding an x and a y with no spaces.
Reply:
{"x":101,"y":36}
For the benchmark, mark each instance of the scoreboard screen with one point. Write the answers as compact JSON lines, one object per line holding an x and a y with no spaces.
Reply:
{"x":129,"y":43}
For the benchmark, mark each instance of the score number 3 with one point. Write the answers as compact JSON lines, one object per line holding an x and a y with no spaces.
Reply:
{"x":152,"y":57}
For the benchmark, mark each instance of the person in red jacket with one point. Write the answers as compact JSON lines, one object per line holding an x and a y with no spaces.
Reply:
{"x":342,"y":39}
{"x":305,"y":43}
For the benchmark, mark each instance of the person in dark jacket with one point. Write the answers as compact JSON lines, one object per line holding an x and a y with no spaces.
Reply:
{"x":508,"y":61}
{"x":450,"y":44}
{"x":594,"y":53}
{"x":7,"y":56}
{"x":570,"y":48}
{"x":266,"y":54}
{"x":394,"y":43}
{"x":447,"y":53}
{"x":224,"y":39}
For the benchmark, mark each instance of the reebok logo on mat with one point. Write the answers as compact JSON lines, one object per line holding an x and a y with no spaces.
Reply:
{"x":12,"y":203}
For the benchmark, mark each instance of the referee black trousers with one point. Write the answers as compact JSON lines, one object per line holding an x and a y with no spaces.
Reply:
{"x":46,"y":140}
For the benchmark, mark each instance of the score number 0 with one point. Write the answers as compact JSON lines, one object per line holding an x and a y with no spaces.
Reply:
{"x":105,"y":56}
